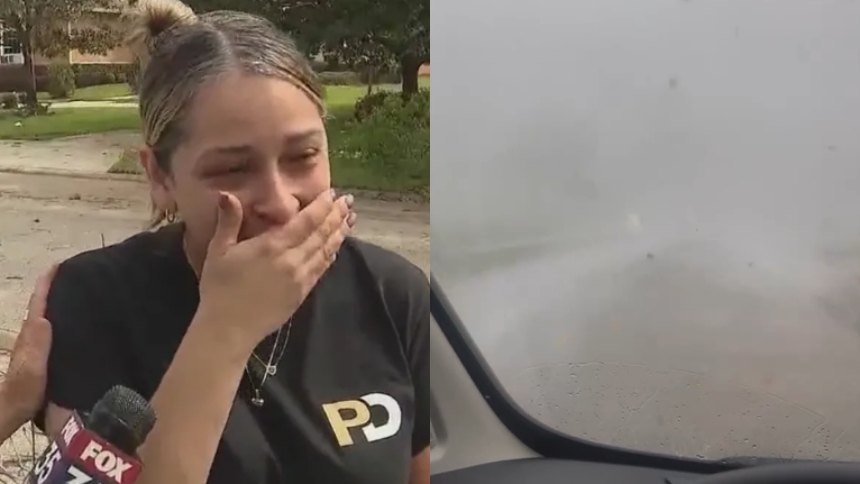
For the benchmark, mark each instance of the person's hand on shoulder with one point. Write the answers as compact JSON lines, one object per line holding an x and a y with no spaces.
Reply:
{"x":23,"y":390}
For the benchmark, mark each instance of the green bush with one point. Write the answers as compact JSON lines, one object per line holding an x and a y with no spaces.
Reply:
{"x":350,"y":78}
{"x":392,"y":144}
{"x":14,"y":78}
{"x":61,"y":80}
{"x":328,"y":65}
{"x":40,"y":109}
{"x":87,"y":75}
{"x":132,"y":77}
{"x":344,"y":78}
{"x":367,"y":105}
{"x":388,"y":76}
{"x":8,"y":100}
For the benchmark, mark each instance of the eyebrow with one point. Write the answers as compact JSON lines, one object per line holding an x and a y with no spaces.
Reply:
{"x":289,"y":139}
{"x":311,"y":134}
{"x":229,"y":150}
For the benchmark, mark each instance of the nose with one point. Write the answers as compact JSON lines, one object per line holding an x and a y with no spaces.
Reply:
{"x":276,"y":198}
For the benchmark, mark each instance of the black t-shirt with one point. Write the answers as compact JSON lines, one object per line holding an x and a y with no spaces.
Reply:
{"x":349,"y":402}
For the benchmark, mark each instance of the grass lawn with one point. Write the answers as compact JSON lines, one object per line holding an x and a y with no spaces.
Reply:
{"x":336,"y":96}
{"x":68,"y":122}
{"x":102,"y":93}
{"x":340,"y":96}
{"x":76,"y":121}
{"x":72,"y":121}
{"x":96,"y":93}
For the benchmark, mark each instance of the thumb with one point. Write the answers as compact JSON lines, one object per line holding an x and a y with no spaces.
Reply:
{"x":229,"y":222}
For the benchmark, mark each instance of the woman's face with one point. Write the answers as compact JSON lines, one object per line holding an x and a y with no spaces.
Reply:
{"x":259,"y":138}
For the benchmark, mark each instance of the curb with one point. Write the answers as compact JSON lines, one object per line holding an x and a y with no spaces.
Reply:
{"x":72,"y":174}
{"x":358,"y":193}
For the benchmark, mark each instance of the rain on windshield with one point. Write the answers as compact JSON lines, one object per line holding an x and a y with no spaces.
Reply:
{"x":659,"y":247}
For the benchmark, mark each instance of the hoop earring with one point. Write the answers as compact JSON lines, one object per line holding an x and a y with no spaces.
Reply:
{"x":170,"y":216}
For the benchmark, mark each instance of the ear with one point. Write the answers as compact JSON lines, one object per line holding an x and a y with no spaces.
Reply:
{"x":158,"y":179}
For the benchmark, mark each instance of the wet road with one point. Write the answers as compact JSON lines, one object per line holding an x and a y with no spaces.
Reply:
{"x":698,"y":348}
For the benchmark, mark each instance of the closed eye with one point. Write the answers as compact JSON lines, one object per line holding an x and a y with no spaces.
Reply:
{"x":305,"y":156}
{"x":228,"y":169}
{"x":237,"y":168}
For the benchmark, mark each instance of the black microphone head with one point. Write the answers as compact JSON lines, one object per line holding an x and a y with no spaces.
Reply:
{"x":128,"y":407}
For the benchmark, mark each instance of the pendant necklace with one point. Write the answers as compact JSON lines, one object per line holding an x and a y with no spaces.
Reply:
{"x":269,"y":366}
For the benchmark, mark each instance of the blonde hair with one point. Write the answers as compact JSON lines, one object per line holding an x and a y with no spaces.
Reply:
{"x":180,"y":50}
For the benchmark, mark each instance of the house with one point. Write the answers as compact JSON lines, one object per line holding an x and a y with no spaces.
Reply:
{"x":10,"y":48}
{"x":119,"y":54}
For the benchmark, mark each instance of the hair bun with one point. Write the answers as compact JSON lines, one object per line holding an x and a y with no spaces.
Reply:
{"x":150,"y":18}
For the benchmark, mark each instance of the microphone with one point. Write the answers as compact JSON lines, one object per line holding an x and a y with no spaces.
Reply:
{"x":101,"y":447}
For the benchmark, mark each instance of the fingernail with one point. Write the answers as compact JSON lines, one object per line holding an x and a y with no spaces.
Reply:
{"x":351,"y":218}
{"x":333,"y":193}
{"x":223,"y":200}
{"x":349,"y":200}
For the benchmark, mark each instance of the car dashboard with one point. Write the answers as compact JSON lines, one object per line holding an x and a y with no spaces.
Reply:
{"x":559,"y":471}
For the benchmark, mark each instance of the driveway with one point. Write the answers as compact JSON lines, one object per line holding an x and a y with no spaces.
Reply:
{"x":90,"y":154}
{"x":49,"y":218}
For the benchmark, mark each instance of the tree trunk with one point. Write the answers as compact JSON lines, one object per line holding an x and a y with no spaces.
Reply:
{"x":30,"y":67}
{"x":409,"y":66}
{"x":371,"y":79}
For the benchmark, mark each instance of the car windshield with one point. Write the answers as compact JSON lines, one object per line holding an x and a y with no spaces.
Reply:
{"x":653,"y":233}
